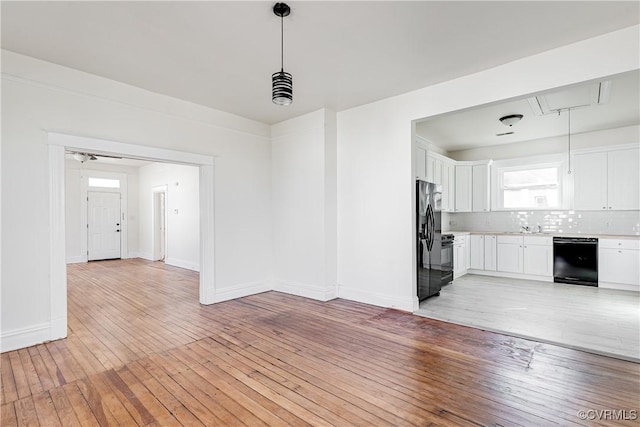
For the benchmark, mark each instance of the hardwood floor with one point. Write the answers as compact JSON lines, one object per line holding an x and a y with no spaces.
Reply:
{"x":142,"y":351}
{"x":604,"y":321}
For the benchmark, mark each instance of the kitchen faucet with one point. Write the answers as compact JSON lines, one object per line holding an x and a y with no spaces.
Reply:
{"x":524,"y":228}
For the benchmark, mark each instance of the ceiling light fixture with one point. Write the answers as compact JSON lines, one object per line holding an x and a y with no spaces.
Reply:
{"x":282,"y":82}
{"x":81,"y":157}
{"x":511,"y":119}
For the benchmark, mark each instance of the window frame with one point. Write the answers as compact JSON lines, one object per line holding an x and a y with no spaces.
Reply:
{"x":499,"y":167}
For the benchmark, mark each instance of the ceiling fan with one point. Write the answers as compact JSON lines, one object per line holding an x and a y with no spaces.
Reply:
{"x":83,"y":157}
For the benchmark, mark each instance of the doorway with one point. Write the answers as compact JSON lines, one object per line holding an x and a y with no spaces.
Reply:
{"x":159,"y":223}
{"x":103,"y":225}
{"x":58,"y":145}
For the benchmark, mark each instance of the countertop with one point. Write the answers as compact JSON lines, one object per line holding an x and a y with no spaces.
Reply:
{"x":512,"y":233}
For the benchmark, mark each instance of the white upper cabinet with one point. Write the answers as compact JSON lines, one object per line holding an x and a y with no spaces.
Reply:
{"x":480,"y":188}
{"x":463,"y":188}
{"x":607,"y":180}
{"x":623,"y":183}
{"x":421,"y":163}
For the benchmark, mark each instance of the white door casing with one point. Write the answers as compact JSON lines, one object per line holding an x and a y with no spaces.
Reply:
{"x":58,"y":143}
{"x":103,"y":225}
{"x":159,"y":222}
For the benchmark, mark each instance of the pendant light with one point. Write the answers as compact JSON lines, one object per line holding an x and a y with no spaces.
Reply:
{"x":282,"y":82}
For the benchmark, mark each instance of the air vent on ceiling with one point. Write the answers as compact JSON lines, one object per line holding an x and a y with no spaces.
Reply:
{"x":505,"y":133}
{"x":575,"y":97}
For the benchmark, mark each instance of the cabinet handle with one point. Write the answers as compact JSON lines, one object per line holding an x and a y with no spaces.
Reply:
{"x":604,"y":207}
{"x":609,"y":207}
{"x":619,"y":252}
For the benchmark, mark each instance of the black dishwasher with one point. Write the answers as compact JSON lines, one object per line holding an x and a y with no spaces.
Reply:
{"x":575,"y":260}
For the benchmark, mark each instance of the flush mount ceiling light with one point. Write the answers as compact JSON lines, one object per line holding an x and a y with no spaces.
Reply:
{"x":511,"y":119}
{"x":282,"y":82}
{"x":81,"y":157}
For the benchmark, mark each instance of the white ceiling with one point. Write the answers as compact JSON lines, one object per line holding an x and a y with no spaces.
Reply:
{"x":341,"y":54}
{"x":478,"y":127}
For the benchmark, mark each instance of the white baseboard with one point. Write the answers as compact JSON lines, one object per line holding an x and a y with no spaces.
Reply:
{"x":133,"y":254}
{"x":75,"y":259}
{"x":316,"y":292}
{"x":144,"y":255}
{"x":510,"y":275}
{"x":239,"y":291}
{"x":25,"y":337}
{"x":182,"y":264}
{"x":374,"y":298}
{"x":619,"y":286}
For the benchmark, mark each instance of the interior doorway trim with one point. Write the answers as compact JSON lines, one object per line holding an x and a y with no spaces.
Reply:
{"x":159,"y":251}
{"x":58,"y":144}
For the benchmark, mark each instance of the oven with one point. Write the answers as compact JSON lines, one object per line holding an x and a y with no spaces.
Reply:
{"x":447,"y":258}
{"x":575,"y":260}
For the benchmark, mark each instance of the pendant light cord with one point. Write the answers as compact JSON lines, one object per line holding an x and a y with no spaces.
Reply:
{"x":569,"y":138}
{"x":281,"y":43}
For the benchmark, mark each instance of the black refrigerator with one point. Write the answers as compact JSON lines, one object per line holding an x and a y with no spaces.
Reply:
{"x":429,"y":238}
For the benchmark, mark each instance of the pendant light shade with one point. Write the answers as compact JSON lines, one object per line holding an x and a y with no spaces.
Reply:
{"x":282,"y":88}
{"x":281,"y":82}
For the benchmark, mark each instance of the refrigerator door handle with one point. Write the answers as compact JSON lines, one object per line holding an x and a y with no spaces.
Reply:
{"x":430,"y":227}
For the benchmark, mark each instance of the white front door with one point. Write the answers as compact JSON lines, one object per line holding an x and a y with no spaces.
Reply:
{"x":103,"y":228}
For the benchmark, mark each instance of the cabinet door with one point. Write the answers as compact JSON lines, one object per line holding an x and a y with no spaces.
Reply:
{"x":590,"y":181}
{"x":431,"y":169}
{"x":445,"y":187}
{"x":458,"y":258}
{"x":619,"y":266}
{"x":421,"y":163}
{"x":463,"y":188}
{"x":490,"y":252}
{"x":467,"y":251}
{"x":477,"y":252}
{"x":623,"y":173}
{"x":538,"y":260}
{"x":480,"y":188}
{"x":437,"y":171}
{"x":452,"y":188}
{"x":509,"y":257}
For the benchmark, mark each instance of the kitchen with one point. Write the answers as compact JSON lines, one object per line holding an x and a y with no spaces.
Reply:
{"x":541,"y":194}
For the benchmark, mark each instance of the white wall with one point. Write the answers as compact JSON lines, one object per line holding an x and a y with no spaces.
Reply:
{"x":304,"y":209}
{"x":182,"y":211}
{"x":376,"y":196}
{"x":73,"y":205}
{"x":607,"y":137}
{"x":40,"y":97}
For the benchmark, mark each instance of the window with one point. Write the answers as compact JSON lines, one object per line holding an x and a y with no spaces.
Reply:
{"x":529,"y":186}
{"x":104,"y":182}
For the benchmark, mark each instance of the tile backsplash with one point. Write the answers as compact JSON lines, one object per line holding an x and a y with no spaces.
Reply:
{"x":582,"y":222}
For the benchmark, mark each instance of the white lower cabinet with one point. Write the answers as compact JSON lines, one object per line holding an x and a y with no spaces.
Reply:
{"x":538,"y":256}
{"x":532,"y":255}
{"x":461,"y":255}
{"x":482,"y":249}
{"x":476,"y":251}
{"x":490,"y":252}
{"x":619,"y":264}
{"x":509,"y":249}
